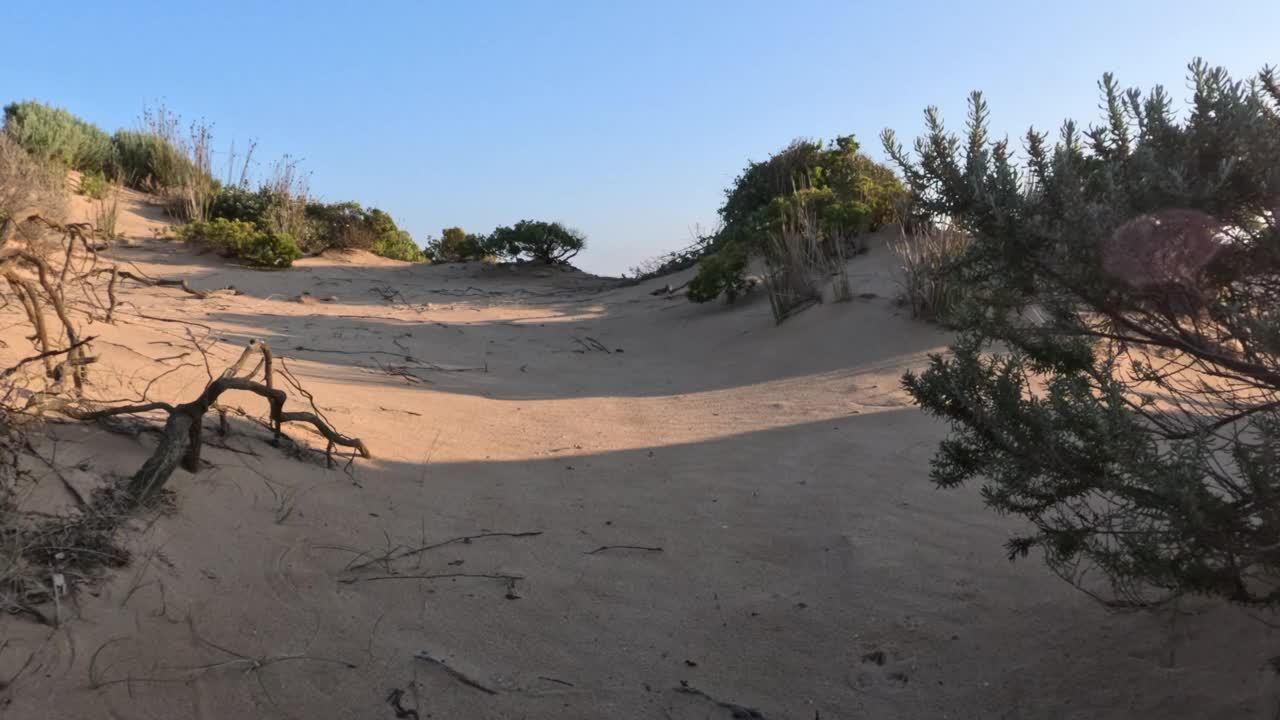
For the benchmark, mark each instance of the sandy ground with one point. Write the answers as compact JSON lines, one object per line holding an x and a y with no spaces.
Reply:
{"x":808,"y":569}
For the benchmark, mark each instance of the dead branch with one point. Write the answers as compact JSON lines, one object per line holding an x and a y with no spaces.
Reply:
{"x":182,"y":437}
{"x":400,"y":554}
{"x":147,"y":281}
{"x":177,"y":674}
{"x":591,"y":344}
{"x":111,"y":294}
{"x":738,"y":711}
{"x":395,"y":699}
{"x":45,"y":355}
{"x":66,"y":484}
{"x":603,"y":548}
{"x":668,"y":290}
{"x":180,"y":321}
{"x":454,"y":672}
{"x":510,"y":579}
{"x":406,"y":412}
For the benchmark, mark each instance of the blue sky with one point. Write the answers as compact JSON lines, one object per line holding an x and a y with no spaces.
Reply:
{"x":624,"y":120}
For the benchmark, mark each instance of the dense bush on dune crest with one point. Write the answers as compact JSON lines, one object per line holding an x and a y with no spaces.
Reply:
{"x":828,"y":193}
{"x":141,"y":159}
{"x":55,"y":135}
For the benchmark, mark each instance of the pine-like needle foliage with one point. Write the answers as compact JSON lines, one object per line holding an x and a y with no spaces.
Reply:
{"x":1117,"y":378}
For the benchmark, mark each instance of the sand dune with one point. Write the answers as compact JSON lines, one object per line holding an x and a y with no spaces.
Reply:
{"x":807,"y":568}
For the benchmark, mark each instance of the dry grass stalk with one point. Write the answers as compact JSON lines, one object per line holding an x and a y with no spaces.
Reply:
{"x":106,"y":214}
{"x":795,"y":259}
{"x":290,"y":186}
{"x":26,"y":187}
{"x":192,"y":195}
{"x":927,"y":257}
{"x":839,"y":270}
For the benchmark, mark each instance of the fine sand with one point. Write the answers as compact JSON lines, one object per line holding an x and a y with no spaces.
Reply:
{"x":807,"y":567}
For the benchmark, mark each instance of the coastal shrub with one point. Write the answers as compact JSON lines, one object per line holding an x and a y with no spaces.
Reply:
{"x":94,"y":185}
{"x":244,"y":241}
{"x":237,"y":203}
{"x":398,"y":246}
{"x":457,"y":245}
{"x":723,"y":273}
{"x":1114,"y":383}
{"x":54,"y":135}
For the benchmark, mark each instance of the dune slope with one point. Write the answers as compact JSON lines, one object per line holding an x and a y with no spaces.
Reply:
{"x":705,"y":512}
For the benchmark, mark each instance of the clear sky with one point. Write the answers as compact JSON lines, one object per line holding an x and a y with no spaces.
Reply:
{"x":625,"y":120}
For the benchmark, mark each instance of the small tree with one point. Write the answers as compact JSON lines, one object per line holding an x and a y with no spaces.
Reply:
{"x":457,"y":245}
{"x":546,"y":242}
{"x":1117,"y":378}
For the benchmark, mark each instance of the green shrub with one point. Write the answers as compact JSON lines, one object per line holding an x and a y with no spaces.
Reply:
{"x":546,"y":242}
{"x":141,"y":159}
{"x":244,"y":241}
{"x":398,"y":247}
{"x":350,"y":226}
{"x":94,"y":185}
{"x":268,"y":249}
{"x":339,"y":226}
{"x":851,"y":193}
{"x":54,"y":135}
{"x":237,"y":203}
{"x":173,"y":160}
{"x":1114,"y":383}
{"x":221,"y":234}
{"x":225,"y":236}
{"x":826,"y":194}
{"x":457,"y":245}
{"x":721,"y":273}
